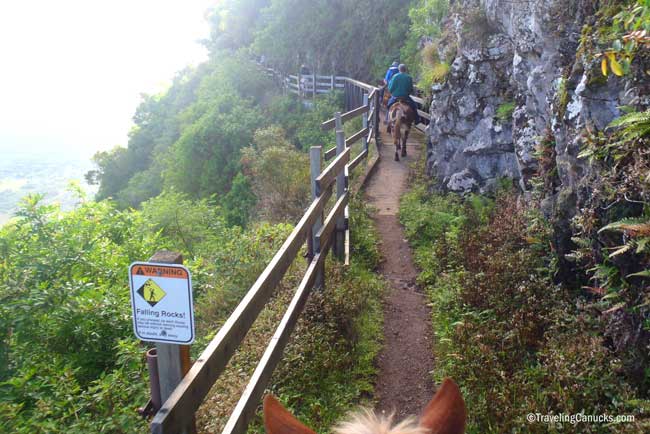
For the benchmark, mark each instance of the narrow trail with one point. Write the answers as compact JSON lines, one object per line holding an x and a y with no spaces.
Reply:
{"x":404,"y":383}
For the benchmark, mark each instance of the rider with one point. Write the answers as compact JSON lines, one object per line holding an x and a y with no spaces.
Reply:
{"x":401,"y":86}
{"x":390,"y":73}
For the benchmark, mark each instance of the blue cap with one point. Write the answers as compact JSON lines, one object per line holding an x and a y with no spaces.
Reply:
{"x":395,"y":63}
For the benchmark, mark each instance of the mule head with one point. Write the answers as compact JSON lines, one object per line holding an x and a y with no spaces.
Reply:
{"x":444,"y":414}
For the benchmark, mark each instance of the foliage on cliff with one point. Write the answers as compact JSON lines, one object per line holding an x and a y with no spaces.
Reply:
{"x":515,"y":340}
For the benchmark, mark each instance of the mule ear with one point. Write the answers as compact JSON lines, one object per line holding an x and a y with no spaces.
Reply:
{"x":278,"y":420}
{"x":445,"y":413}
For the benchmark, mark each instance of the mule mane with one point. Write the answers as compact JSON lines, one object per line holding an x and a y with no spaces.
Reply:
{"x":367,"y":422}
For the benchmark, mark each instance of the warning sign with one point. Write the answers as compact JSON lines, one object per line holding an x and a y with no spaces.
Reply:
{"x":161,"y":298}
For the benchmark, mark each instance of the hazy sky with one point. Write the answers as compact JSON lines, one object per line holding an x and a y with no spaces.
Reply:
{"x":71,"y":71}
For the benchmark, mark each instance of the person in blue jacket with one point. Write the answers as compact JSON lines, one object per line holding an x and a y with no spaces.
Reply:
{"x":392,"y":71}
{"x":401,"y":86}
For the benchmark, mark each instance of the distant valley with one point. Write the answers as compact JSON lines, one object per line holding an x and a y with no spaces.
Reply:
{"x":29,"y":171}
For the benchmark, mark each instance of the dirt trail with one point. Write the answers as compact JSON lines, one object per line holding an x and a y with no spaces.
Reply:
{"x":404,"y":383}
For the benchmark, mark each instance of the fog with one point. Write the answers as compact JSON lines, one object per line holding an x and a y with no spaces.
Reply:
{"x":72,"y":71}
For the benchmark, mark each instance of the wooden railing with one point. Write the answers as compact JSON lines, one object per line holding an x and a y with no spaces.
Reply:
{"x":310,"y":85}
{"x":322,"y":232}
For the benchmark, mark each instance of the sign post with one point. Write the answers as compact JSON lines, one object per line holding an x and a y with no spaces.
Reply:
{"x":163,"y":312}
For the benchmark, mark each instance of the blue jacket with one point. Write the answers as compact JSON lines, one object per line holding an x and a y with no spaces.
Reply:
{"x":390,"y":73}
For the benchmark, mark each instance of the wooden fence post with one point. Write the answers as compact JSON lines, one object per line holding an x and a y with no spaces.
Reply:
{"x":315,"y":167}
{"x":173,"y":360}
{"x":333,"y":82}
{"x":339,"y":246}
{"x":364,"y":123}
{"x":376,"y":121}
{"x":300,"y":86}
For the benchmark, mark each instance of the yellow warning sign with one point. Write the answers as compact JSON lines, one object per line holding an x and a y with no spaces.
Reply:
{"x":151,"y":292}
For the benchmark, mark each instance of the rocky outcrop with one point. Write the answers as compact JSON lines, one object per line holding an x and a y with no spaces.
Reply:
{"x":522,"y":55}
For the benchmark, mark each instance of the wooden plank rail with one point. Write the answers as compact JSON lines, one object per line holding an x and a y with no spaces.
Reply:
{"x":354,"y":163}
{"x":417,"y":99}
{"x":197,"y":383}
{"x":365,"y":86}
{"x":325,"y":233}
{"x":356,"y":137}
{"x":329,"y":124}
{"x":330,"y":153}
{"x":327,"y":177}
{"x":248,"y":403}
{"x":179,"y":408}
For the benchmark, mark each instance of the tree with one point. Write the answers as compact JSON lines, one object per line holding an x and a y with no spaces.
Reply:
{"x":279,"y":175}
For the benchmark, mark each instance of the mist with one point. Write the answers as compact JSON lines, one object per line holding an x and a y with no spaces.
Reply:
{"x":74,"y":71}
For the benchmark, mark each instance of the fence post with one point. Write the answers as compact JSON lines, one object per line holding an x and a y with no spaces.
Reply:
{"x":364,"y":123}
{"x":300,"y":85}
{"x":333,"y":82}
{"x":376,"y":121}
{"x":339,"y":246}
{"x":173,"y":360}
{"x":314,"y":85}
{"x":315,"y":168}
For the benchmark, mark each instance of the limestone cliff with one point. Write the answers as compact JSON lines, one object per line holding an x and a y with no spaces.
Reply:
{"x":519,"y":76}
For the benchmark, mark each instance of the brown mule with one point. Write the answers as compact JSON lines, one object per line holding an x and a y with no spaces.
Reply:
{"x":400,"y":120}
{"x":445,"y":414}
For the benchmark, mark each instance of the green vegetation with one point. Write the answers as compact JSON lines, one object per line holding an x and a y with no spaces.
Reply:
{"x":427,"y":19}
{"x":326,"y":36}
{"x":72,"y":360}
{"x":628,"y":33}
{"x":613,"y":42}
{"x":514,"y":340}
{"x":505,"y":111}
{"x":206,"y":136}
{"x":562,"y":97}
{"x":214,"y":168}
{"x":69,"y":357}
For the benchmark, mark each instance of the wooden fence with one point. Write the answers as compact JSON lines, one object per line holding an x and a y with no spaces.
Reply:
{"x":311,"y":85}
{"x":322,"y":230}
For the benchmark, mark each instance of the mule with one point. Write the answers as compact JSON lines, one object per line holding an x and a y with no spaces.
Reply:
{"x":444,"y":414}
{"x":401,"y":118}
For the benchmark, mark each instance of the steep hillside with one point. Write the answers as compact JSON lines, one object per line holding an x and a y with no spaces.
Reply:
{"x":551,"y":97}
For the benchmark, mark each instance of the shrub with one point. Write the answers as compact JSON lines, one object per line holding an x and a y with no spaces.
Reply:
{"x":515,"y":341}
{"x":279,"y":176}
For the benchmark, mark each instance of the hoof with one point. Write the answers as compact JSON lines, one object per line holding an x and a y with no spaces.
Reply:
{"x":388,"y":130}
{"x":403,"y":152}
{"x":396,"y":157}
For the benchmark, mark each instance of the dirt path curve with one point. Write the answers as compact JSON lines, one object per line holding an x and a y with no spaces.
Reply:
{"x":404,"y":383}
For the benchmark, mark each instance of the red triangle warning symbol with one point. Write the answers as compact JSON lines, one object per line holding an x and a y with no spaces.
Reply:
{"x":139,"y":271}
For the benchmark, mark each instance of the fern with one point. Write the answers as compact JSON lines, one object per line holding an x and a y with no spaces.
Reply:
{"x":634,"y":126}
{"x":637,"y":231}
{"x":635,"y":227}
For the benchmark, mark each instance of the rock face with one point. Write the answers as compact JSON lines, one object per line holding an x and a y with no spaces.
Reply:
{"x":516,"y":76}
